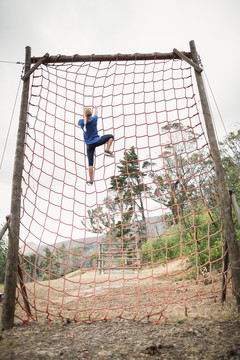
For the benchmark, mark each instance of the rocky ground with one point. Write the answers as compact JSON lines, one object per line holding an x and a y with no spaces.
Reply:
{"x":121,"y":339}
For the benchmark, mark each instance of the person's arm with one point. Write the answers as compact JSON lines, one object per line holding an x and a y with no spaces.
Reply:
{"x":96,"y":110}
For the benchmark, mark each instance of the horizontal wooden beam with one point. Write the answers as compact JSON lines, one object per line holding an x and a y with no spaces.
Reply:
{"x":116,"y":57}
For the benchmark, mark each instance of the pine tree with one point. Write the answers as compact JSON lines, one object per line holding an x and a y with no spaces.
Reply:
{"x":123,"y":214}
{"x":128,"y":190}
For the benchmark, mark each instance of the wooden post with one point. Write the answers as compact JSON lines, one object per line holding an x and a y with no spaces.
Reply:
{"x":225,"y":267}
{"x":23,"y":288}
{"x":230,"y":233}
{"x":3,"y":230}
{"x":8,"y":310}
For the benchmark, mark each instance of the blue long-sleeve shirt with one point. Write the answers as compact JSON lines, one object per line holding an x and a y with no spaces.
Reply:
{"x":91,"y":135}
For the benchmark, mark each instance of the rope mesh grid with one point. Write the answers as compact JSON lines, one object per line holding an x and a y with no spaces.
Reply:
{"x":148,"y":234}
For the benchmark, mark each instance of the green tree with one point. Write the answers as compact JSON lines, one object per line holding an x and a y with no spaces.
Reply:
{"x":122,"y":216}
{"x":128,"y":189}
{"x":75,"y":257}
{"x":50,"y":264}
{"x":230,"y":153}
{"x":186,"y":178}
{"x":165,"y":247}
{"x":186,"y":186}
{"x":124,"y":207}
{"x":31,"y":268}
{"x":60,"y":260}
{"x":98,"y":220}
{"x":203,"y":248}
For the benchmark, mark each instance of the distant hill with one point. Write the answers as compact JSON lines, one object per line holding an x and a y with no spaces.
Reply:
{"x":89,"y":243}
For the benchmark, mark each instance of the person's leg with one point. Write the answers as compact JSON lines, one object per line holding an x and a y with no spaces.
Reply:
{"x":106,"y":139}
{"x":90,"y":170}
{"x":91,"y":150}
{"x":109,"y":144}
{"x":90,"y":155}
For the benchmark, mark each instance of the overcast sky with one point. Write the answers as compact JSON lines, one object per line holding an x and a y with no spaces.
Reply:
{"x":110,"y":27}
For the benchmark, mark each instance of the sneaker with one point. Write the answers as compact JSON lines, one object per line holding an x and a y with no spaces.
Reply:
{"x":108,"y":153}
{"x":90,"y":182}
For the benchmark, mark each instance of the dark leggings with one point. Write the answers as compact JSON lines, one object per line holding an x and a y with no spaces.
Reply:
{"x":91,"y":147}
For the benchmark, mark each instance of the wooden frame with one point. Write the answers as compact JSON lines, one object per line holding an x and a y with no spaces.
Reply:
{"x":191,"y":57}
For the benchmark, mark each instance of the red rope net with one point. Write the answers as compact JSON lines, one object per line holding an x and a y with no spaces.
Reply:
{"x":146,"y":238}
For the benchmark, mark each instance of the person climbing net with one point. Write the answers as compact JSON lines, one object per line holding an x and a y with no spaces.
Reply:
{"x":92,"y":139}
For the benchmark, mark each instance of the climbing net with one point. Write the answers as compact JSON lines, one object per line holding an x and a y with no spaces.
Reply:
{"x":147,"y":236}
